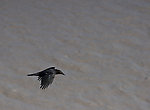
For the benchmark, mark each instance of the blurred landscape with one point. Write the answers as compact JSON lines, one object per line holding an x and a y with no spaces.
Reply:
{"x":103,"y":47}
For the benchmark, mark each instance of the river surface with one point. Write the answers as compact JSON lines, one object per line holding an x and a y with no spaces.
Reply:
{"x":103,"y":47}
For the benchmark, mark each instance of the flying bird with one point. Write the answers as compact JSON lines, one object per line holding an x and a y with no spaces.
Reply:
{"x":47,"y":76}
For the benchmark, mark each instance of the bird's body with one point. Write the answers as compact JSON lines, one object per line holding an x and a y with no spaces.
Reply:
{"x":46,"y":76}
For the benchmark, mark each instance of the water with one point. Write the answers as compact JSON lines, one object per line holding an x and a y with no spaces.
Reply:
{"x":103,"y":47}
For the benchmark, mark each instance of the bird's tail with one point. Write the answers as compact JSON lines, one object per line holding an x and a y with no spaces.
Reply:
{"x":34,"y":74}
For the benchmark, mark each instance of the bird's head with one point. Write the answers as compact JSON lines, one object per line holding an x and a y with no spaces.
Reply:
{"x":59,"y":72}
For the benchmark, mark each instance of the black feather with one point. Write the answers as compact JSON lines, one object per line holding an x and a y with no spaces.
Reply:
{"x":46,"y":76}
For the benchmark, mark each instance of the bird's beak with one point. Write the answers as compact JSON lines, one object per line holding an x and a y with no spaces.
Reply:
{"x":63,"y":74}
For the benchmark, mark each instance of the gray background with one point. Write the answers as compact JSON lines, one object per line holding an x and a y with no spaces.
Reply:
{"x":103,"y":46}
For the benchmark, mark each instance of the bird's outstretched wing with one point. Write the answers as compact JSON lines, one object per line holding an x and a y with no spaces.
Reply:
{"x":46,"y":80}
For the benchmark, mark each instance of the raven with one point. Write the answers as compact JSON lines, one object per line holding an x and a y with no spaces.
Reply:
{"x":47,"y":76}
